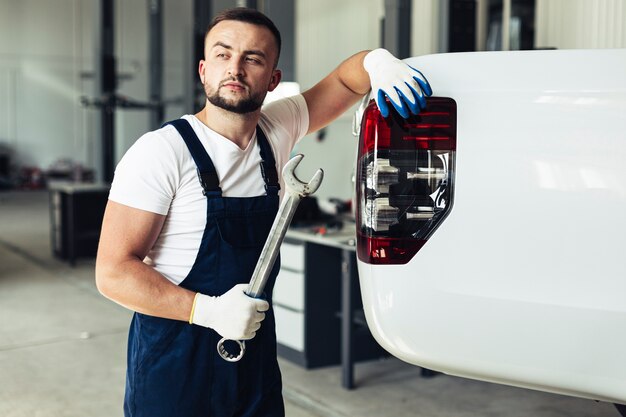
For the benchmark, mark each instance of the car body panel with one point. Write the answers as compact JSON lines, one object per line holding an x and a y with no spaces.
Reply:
{"x":524,"y":283}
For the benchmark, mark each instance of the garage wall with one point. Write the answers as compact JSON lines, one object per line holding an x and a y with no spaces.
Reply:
{"x":40,"y":81}
{"x":425,"y":29}
{"x":132,"y":50}
{"x":46,"y":65}
{"x":572,"y":24}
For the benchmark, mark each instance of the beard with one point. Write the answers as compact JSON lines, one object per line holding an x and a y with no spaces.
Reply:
{"x":242,"y":106}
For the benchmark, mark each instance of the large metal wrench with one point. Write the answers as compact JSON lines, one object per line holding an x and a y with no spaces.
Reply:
{"x":295,"y":190}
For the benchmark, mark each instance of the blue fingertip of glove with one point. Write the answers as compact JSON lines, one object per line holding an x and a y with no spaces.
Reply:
{"x":420,"y":101}
{"x":403,"y":107}
{"x":428,"y":91}
{"x":424,"y":84}
{"x":382,"y":104}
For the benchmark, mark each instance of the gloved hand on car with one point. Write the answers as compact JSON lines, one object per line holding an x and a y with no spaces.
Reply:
{"x":406,"y":87}
{"x":233,"y":315}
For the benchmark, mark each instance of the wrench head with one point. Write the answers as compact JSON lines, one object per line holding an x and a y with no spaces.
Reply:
{"x":294,"y":184}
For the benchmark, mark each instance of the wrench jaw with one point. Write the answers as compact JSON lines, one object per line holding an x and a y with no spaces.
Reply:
{"x":294,"y":184}
{"x":314,"y":184}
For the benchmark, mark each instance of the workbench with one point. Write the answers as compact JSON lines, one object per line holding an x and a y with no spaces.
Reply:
{"x":317,"y":302}
{"x":76,"y":211}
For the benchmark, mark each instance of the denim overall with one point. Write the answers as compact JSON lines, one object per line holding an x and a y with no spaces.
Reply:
{"x":174,"y":369}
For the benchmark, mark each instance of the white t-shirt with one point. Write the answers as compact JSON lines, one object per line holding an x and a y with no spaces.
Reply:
{"x":158,"y":174}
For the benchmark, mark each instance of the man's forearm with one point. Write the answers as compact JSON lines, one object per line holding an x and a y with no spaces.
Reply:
{"x":339,"y":90}
{"x":352,"y":74}
{"x":139,"y":287}
{"x":389,"y":78}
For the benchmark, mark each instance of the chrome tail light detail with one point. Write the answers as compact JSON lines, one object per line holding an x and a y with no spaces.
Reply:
{"x":405,"y":180}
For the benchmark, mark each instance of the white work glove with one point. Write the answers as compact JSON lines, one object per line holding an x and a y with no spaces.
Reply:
{"x":405,"y":86}
{"x":234,"y":315}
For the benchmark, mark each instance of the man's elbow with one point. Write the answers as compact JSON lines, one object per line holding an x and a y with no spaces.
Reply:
{"x":105,"y":279}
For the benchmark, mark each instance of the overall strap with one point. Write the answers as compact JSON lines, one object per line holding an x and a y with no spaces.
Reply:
{"x":268,"y":163}
{"x":206,"y":170}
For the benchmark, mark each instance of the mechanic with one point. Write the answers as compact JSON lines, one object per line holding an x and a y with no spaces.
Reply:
{"x":189,"y":210}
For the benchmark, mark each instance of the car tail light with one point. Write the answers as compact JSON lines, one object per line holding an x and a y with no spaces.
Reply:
{"x":405,"y":179}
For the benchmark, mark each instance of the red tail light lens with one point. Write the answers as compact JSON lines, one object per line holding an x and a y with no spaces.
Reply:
{"x":405,"y":180}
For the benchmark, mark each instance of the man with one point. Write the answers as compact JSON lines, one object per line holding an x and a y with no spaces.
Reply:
{"x":189,"y":211}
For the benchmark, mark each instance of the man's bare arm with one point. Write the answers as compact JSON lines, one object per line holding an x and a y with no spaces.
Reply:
{"x":405,"y":87}
{"x":127,"y":236}
{"x":339,"y":90}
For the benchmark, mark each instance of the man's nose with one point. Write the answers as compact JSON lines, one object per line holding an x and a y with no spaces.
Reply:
{"x":236,"y":67}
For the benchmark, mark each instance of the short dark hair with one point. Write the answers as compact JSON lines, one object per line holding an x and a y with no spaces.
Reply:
{"x":247,"y":15}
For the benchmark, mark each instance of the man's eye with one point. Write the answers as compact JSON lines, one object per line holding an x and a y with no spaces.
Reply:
{"x":253,"y":60}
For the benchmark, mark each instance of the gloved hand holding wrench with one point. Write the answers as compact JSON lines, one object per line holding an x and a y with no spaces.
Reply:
{"x":295,"y":190}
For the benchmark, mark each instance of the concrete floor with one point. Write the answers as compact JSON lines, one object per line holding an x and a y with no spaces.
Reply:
{"x":62,"y":350}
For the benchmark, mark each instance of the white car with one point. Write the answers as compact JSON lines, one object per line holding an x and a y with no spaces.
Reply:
{"x":491,"y":229}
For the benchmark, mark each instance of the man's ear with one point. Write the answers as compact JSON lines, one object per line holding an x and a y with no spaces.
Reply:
{"x":277,"y":75}
{"x":201,"y":70}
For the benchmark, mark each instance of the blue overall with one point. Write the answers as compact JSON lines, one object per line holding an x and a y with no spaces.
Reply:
{"x":174,"y":369}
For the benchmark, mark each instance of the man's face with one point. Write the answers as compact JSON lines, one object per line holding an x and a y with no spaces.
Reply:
{"x":238,"y":69}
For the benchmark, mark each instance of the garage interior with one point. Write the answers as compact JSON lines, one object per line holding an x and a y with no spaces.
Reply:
{"x":81,"y":80}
